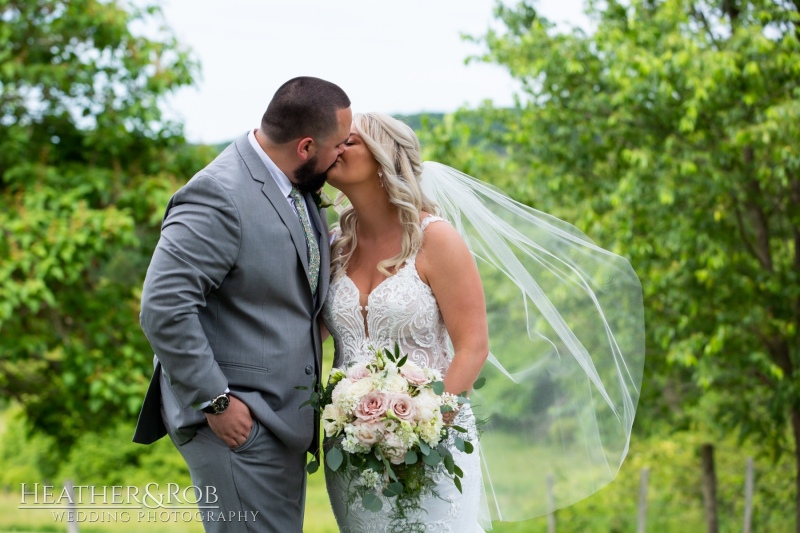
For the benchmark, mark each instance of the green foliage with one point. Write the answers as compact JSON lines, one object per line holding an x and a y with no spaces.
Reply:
{"x":670,"y":136}
{"x":86,"y":166}
{"x":103,"y":457}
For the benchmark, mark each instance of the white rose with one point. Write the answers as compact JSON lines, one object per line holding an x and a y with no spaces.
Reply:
{"x":332,"y":420}
{"x":360,"y":388}
{"x":393,"y":448}
{"x":395,"y":383}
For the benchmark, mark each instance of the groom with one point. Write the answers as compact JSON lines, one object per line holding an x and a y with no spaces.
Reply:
{"x":229,"y":305}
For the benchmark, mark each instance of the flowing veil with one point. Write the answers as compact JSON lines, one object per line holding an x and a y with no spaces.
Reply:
{"x":566,"y":338}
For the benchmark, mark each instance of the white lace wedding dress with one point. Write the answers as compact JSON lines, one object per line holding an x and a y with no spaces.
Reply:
{"x":403,"y":310}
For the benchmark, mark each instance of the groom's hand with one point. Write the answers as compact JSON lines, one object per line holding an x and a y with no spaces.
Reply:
{"x":233,"y":426}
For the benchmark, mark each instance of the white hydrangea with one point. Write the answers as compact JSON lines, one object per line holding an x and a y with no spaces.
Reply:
{"x":406,"y":434}
{"x":431,"y":431}
{"x":427,"y":403}
{"x":340,"y":388}
{"x":371,"y":479}
{"x":433,"y":374}
{"x":451,"y":400}
{"x":352,"y":445}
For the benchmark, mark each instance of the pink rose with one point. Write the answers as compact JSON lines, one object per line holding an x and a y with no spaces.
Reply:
{"x":414,"y":374}
{"x":357,"y":372}
{"x":403,"y":407}
{"x":367,"y":433}
{"x":372,"y":406}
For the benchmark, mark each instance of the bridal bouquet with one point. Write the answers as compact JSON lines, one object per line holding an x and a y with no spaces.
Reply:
{"x":384,"y":418}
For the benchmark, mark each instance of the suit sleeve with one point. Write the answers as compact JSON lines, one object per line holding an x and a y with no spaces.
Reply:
{"x":199,"y":244}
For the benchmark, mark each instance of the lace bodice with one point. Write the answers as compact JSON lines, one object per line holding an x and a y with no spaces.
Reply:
{"x":401,"y":309}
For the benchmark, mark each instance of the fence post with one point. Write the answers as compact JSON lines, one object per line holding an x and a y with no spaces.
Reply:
{"x":551,"y":517}
{"x":72,"y":511}
{"x":642,"y":514}
{"x":748,"y":495}
{"x":709,"y":487}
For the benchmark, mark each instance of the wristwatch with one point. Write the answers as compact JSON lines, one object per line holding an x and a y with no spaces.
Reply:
{"x":218,"y":405}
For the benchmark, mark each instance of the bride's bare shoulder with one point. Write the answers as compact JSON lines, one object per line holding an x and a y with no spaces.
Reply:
{"x":442,"y":247}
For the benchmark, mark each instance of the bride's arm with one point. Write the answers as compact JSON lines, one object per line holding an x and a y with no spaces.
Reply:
{"x":446,"y":264}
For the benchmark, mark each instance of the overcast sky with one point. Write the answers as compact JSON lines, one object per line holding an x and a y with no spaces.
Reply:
{"x":389,"y":56}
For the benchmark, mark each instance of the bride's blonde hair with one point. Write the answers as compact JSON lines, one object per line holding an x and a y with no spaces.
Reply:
{"x":395,"y":147}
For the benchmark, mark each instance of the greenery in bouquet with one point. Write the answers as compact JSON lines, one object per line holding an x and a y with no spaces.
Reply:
{"x":385,"y":418}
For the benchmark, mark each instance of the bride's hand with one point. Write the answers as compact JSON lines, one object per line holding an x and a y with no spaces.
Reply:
{"x":449,"y":417}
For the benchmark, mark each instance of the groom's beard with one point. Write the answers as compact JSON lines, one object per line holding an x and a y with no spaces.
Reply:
{"x":307,"y":178}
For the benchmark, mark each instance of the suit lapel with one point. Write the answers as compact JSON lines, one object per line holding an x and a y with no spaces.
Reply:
{"x":270,"y":189}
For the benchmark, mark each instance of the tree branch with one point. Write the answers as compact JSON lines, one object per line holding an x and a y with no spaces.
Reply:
{"x":699,"y":15}
{"x":742,"y":231}
{"x":759,"y":219}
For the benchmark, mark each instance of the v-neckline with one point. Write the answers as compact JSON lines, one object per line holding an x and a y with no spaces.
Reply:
{"x":369,"y":294}
{"x":363,"y":310}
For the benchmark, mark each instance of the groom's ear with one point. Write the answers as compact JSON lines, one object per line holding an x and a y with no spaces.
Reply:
{"x":306,"y":148}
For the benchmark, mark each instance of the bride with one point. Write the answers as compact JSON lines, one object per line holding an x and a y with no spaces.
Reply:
{"x":402,"y":275}
{"x":565,"y":316}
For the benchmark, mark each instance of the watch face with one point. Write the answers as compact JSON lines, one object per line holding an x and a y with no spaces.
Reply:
{"x":220,"y":404}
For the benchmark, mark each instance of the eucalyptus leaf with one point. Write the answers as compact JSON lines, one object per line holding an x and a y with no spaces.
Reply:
{"x":449,"y":464}
{"x":371,"y":502}
{"x":393,"y":489}
{"x":432,"y":459}
{"x":411,"y":457}
{"x":424,"y":448}
{"x":333,"y":458}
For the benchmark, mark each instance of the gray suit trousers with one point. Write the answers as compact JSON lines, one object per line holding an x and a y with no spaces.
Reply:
{"x":258,"y":487}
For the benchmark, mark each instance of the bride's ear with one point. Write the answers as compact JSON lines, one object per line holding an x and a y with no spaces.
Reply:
{"x":306,"y":148}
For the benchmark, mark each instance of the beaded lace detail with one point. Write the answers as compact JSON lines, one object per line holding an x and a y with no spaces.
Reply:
{"x":401,"y":309}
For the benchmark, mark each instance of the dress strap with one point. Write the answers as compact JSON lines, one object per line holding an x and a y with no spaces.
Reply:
{"x":428,"y":220}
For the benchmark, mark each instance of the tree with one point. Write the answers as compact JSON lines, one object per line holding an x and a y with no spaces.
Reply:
{"x":87,"y":162}
{"x":670,"y":134}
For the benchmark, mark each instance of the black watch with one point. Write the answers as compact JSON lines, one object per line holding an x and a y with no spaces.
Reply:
{"x":218,"y":405}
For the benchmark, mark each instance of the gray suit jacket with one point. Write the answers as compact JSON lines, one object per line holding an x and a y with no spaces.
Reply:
{"x":227,"y":303}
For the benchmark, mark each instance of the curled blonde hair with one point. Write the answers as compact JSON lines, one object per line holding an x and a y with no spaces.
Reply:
{"x":395,"y":147}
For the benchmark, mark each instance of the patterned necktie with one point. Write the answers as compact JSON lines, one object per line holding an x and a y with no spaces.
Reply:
{"x":311,"y":241}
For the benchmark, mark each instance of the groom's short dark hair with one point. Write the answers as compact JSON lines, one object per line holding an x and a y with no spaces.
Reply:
{"x":303,"y":107}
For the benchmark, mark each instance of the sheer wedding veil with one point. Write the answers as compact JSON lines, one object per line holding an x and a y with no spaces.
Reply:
{"x":566,"y":336}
